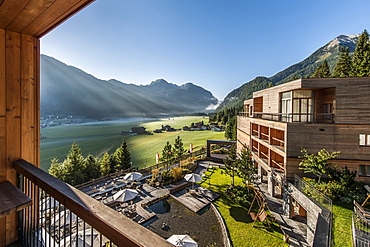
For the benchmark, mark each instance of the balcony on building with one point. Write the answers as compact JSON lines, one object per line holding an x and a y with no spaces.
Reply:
{"x":294,"y":106}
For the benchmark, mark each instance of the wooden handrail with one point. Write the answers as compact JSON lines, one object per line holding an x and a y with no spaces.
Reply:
{"x":265,"y":155}
{"x":276,"y":139}
{"x":119,"y":229}
{"x":278,"y":164}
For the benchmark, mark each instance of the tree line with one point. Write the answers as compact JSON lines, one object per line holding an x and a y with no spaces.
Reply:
{"x":227,"y":117}
{"x":356,"y":66}
{"x":77,"y":169}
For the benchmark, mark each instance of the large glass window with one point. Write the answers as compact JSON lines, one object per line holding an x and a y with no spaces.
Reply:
{"x":297,"y":106}
{"x":286,"y":106}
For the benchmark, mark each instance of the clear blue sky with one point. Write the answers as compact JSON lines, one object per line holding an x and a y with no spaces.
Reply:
{"x":218,"y":45}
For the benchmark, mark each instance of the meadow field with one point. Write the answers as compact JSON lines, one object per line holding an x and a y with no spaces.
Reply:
{"x":99,"y":137}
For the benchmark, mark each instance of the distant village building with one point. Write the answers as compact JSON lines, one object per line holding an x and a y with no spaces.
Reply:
{"x":157,"y":131}
{"x":167,"y":128}
{"x":138,"y":130}
{"x":199,"y":125}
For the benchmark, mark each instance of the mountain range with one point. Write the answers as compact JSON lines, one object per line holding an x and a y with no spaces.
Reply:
{"x":67,"y":90}
{"x":303,"y":69}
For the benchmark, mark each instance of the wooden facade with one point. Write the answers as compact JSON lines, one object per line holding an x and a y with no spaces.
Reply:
{"x":19,"y":111}
{"x":340,"y":115}
{"x":22,"y":23}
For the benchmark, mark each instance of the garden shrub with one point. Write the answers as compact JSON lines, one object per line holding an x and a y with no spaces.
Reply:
{"x":240,"y":194}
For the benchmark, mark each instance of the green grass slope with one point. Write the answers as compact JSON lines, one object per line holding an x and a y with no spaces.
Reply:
{"x":103,"y":137}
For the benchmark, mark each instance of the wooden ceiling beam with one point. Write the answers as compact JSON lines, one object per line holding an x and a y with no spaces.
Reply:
{"x":37,"y":17}
{"x":9,"y":10}
{"x":56,"y":14}
{"x":29,"y":13}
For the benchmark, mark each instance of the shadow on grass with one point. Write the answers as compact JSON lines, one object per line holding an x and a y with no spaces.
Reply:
{"x":240,"y":214}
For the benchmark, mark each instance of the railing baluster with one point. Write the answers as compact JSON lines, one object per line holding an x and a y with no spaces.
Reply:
{"x":84,"y":231}
{"x":48,"y":196}
{"x":76,"y":231}
{"x":29,"y":218}
{"x":64,"y":227}
{"x":33,"y":215}
{"x":92,"y":231}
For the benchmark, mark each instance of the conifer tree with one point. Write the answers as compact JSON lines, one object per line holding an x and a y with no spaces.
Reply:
{"x":230,"y":130}
{"x":344,"y":65}
{"x":105,"y":164}
{"x":167,"y":153}
{"x":178,"y":149}
{"x":92,"y":169}
{"x":74,"y":164}
{"x":122,"y":157}
{"x":322,"y":71}
{"x":56,"y":169}
{"x":361,"y":56}
{"x":231,"y":163}
{"x":246,"y":168}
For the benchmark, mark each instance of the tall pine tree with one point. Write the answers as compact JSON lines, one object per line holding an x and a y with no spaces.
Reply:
{"x":322,"y":71}
{"x":167,"y":154}
{"x":122,"y":157}
{"x":178,"y":148}
{"x":231,"y":163}
{"x":230,"y":130}
{"x":105,"y":164}
{"x":361,"y":56}
{"x":246,"y":168}
{"x":344,"y":65}
{"x":74,"y":165}
{"x":92,"y":169}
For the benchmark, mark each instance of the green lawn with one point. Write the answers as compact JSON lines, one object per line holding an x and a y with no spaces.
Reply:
{"x":238,"y":223}
{"x":342,"y":221}
{"x":98,"y":138}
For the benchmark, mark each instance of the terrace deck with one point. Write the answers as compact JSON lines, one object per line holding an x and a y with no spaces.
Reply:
{"x":195,"y":201}
{"x":143,"y":215}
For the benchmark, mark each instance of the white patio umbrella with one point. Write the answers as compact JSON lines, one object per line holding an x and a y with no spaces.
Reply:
{"x":182,"y":240}
{"x":192,"y":177}
{"x":63,"y":218}
{"x":92,"y":238}
{"x":132,"y":176}
{"x":125,"y":195}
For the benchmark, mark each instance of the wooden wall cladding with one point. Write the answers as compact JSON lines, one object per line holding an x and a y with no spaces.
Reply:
{"x":332,"y":137}
{"x":19,"y":111}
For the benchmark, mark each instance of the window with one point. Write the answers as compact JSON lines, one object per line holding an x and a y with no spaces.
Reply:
{"x":297,"y":106}
{"x":328,"y":108}
{"x":364,"y":140}
{"x":286,"y":106}
{"x":364,"y":170}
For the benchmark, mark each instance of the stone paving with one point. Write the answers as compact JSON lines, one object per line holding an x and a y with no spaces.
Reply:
{"x":295,"y":229}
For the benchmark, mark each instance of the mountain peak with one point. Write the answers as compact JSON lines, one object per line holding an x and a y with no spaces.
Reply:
{"x":188,"y":85}
{"x":345,"y":41}
{"x":160,"y":81}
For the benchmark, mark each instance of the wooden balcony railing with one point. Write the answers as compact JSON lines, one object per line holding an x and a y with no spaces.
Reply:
{"x":278,"y":165}
{"x":75,"y":212}
{"x":293,"y":117}
{"x":277,"y":142}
